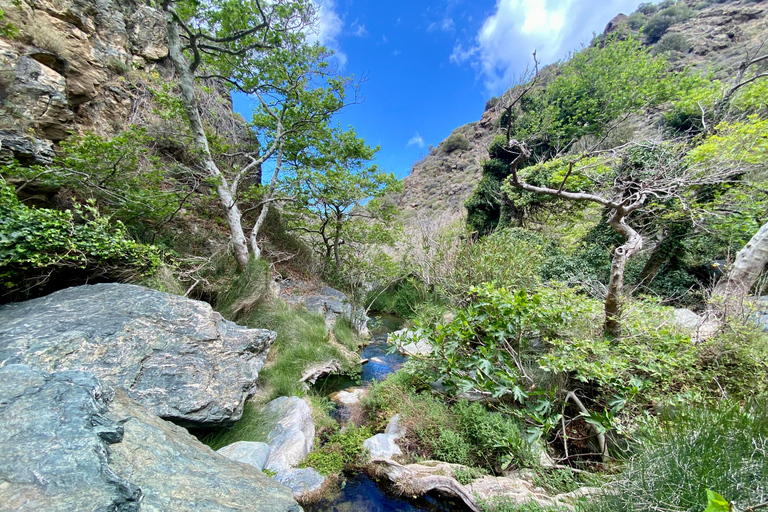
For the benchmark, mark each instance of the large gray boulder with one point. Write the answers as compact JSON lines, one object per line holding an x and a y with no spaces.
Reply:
{"x":292,"y":432}
{"x":176,"y":356}
{"x":69,"y":444}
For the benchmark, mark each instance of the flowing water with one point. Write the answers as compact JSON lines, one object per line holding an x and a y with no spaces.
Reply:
{"x":359,"y":493}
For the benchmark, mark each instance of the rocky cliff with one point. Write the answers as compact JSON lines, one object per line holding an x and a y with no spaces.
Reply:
{"x":716,"y":36}
{"x":71,"y":66}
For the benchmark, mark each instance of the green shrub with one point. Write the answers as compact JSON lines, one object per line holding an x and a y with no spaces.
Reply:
{"x":39,"y":246}
{"x":666,"y":17}
{"x":462,"y":433}
{"x":723,"y":449}
{"x":455,"y":142}
{"x":465,"y":476}
{"x":674,"y":42}
{"x":450,"y":446}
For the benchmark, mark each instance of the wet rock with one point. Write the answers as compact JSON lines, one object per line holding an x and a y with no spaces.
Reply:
{"x":349,"y":396}
{"x":302,"y":482}
{"x":293,"y":434}
{"x":382,"y":446}
{"x":174,"y":355}
{"x":70,"y":444}
{"x":247,"y":452}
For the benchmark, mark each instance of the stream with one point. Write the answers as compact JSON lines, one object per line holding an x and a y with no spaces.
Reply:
{"x":358,"y":492}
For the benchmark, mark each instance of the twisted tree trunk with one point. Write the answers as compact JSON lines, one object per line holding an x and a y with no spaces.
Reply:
{"x":191,"y":108}
{"x":614,"y":296}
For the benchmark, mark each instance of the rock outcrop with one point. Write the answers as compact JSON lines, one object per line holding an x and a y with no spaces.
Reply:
{"x":332,"y":304}
{"x":61,"y":72}
{"x":70,"y":444}
{"x":175,"y":356}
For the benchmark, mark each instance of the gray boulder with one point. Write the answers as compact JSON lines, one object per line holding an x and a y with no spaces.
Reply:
{"x":394,"y":427}
{"x":247,"y":452}
{"x":293,"y":434}
{"x":410,"y":343}
{"x":686,"y":319}
{"x":69,"y":444}
{"x":176,"y":356}
{"x":301,"y":482}
{"x":382,"y":446}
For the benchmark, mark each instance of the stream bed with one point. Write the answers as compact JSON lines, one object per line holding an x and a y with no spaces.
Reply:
{"x":358,"y":492}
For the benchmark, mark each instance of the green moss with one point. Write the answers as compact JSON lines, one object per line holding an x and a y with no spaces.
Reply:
{"x":343,"y":449}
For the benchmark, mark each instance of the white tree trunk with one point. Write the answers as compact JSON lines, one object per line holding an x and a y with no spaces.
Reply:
{"x":615,"y":294}
{"x":187,"y":85}
{"x":731,"y":290}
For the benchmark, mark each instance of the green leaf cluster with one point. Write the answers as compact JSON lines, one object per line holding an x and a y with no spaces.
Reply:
{"x":34,"y":241}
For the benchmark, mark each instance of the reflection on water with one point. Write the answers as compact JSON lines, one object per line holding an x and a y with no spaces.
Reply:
{"x":361,"y":494}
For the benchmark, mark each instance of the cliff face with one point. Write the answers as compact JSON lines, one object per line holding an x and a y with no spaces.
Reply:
{"x":715,"y":37}
{"x":61,"y":68}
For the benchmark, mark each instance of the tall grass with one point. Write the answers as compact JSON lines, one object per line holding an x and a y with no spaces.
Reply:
{"x":724,"y":449}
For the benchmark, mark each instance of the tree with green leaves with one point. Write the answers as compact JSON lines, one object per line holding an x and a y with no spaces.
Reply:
{"x":339,"y":197}
{"x":257,"y":48}
{"x":595,"y":92}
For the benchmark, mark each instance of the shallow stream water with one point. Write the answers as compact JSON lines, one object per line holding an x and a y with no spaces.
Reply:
{"x":359,"y":493}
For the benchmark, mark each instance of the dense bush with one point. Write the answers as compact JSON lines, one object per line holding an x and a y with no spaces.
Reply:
{"x":672,"y":42}
{"x":455,"y":142}
{"x":342,"y":450}
{"x":462,"y":433}
{"x":666,"y":17}
{"x":39,"y":245}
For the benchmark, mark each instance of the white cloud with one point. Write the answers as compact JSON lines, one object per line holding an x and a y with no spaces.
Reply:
{"x":328,"y":29}
{"x":416,"y":140}
{"x":359,"y":30}
{"x":504,"y":45}
{"x":444,"y":25}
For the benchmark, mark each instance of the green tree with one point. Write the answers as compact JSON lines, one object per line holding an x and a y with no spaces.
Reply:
{"x":258,"y":48}
{"x":597,"y":90}
{"x":339,"y":198}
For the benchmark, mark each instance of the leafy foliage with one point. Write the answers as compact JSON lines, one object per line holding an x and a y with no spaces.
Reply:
{"x":38,"y":242}
{"x":455,"y":142}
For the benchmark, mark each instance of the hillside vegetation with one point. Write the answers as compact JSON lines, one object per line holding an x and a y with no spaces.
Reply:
{"x":582,"y":267}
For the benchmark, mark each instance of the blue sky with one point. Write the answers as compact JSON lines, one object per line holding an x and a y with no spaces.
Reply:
{"x":430,"y":66}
